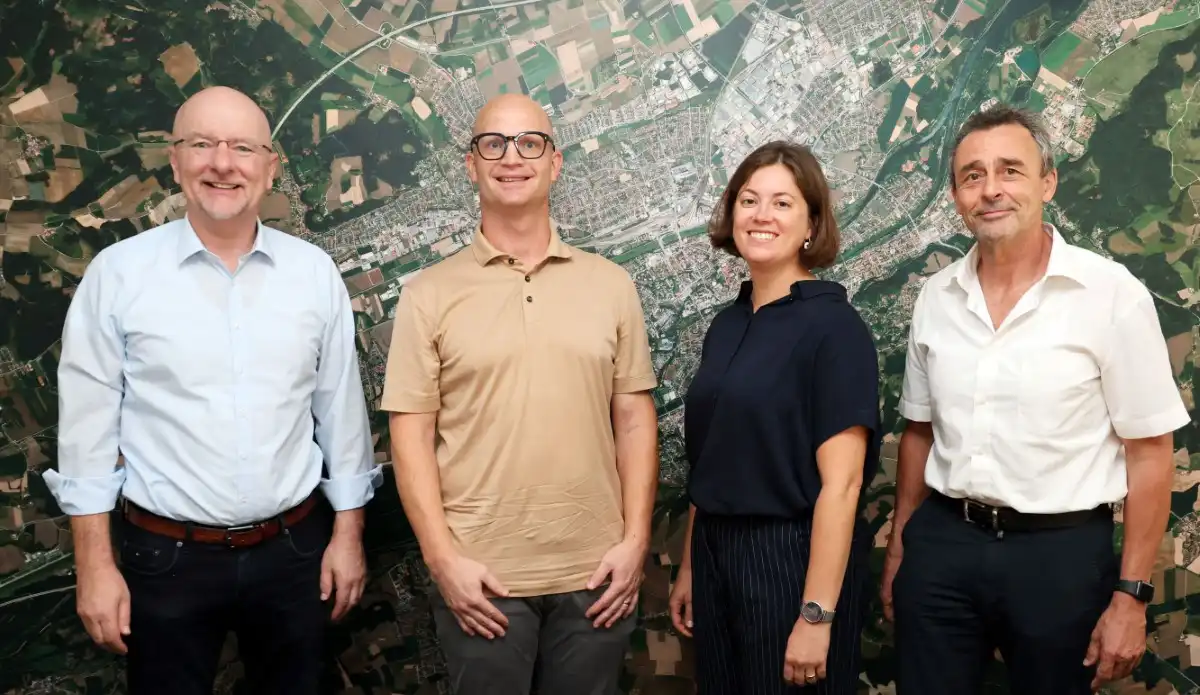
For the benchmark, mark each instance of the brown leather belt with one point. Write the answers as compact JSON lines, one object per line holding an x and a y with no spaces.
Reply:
{"x":235,"y":536}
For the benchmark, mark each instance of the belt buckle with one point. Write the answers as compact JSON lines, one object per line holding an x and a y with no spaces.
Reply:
{"x":229,"y":531}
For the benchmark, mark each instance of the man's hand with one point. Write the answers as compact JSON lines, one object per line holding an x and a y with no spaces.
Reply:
{"x":891,"y":565}
{"x":343,"y":572}
{"x":681,"y":602}
{"x":102,"y":602}
{"x":1118,"y":641}
{"x":624,"y":562}
{"x":807,"y":650}
{"x":462,"y":582}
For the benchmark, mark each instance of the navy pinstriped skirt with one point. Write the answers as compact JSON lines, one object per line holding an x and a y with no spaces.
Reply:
{"x":747,"y":587}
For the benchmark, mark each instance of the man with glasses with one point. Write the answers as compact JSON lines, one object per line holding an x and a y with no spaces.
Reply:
{"x":523,"y":432}
{"x":216,"y":356}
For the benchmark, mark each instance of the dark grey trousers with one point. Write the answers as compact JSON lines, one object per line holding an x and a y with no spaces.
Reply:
{"x":550,"y":648}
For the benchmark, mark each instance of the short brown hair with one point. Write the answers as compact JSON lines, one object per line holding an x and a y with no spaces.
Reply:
{"x":810,"y":179}
{"x":1002,"y":114}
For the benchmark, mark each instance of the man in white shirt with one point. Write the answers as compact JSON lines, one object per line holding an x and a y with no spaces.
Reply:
{"x":216,"y":355}
{"x":1038,"y":392}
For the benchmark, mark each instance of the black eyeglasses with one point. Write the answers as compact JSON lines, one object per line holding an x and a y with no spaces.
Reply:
{"x":531,"y":144}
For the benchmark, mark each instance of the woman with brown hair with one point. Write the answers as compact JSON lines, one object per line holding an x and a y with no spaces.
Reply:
{"x":782,"y":432}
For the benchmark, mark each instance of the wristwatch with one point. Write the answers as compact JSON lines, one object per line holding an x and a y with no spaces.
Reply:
{"x":812,"y":612}
{"x":1142,"y":591}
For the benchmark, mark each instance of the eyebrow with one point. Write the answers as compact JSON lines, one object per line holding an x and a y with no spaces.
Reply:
{"x":751,"y":190}
{"x":978,"y":164}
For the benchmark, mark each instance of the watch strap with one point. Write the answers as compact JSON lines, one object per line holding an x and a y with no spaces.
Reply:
{"x":1142,"y":591}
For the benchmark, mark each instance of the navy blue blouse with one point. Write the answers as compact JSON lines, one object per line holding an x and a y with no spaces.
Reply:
{"x":772,"y":386}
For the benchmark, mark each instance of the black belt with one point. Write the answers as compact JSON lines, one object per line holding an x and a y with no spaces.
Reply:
{"x":1008,"y":519}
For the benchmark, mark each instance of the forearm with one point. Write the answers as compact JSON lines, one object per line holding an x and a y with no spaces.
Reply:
{"x":832,"y":533}
{"x":349,"y":524}
{"x":636,"y":434}
{"x":915,"y":444}
{"x":418,"y":483}
{"x":685,"y":562}
{"x":1147,"y":505}
{"x":92,"y":542}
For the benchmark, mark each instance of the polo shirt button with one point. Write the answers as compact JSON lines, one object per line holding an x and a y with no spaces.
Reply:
{"x":511,"y":261}
{"x":529,"y":299}
{"x":526,"y":278}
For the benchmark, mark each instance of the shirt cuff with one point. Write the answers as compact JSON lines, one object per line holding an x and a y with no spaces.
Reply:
{"x":82,"y":496}
{"x":1154,"y":425}
{"x":914,"y":412}
{"x":405,"y":403}
{"x":352,"y":491}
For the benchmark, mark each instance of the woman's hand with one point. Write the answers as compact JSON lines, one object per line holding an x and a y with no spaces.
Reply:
{"x":681,"y":601}
{"x":807,"y":649}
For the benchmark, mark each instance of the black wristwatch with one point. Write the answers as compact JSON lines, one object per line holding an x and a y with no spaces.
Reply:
{"x":1142,"y":591}
{"x":812,"y":612}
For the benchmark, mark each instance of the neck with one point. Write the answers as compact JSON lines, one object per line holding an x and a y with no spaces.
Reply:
{"x":772,"y":282}
{"x":1019,"y":260}
{"x":226,"y":239}
{"x":522,"y":234}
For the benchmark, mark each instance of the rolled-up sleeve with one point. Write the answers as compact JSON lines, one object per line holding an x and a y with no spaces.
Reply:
{"x":340,"y":411}
{"x":915,"y":398}
{"x":90,"y":389}
{"x":1135,"y":372}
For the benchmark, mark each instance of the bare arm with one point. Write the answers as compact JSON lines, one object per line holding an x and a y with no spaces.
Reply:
{"x":635,"y":430}
{"x":419,"y":482}
{"x":915,"y":444}
{"x":92,"y":542}
{"x":1150,"y":470}
{"x":839,"y":461}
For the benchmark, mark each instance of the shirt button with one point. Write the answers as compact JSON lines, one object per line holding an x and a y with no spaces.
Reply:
{"x":526,"y":278}
{"x":511,"y":261}
{"x":529,"y":299}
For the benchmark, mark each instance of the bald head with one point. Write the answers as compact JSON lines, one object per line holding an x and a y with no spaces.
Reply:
{"x":512,"y":109}
{"x":229,"y":108}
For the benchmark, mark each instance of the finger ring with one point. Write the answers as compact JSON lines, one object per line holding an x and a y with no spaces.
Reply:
{"x":811,"y":677}
{"x":625,"y":602}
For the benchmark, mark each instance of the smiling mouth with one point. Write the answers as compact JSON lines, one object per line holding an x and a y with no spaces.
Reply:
{"x":762,"y":236}
{"x":512,"y":179}
{"x":992,"y":213}
{"x":220,"y":186}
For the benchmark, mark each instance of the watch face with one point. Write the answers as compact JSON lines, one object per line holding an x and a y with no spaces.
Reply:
{"x":811,"y":611}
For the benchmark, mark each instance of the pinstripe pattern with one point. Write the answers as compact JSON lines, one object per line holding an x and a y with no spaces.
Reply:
{"x":748,"y":584}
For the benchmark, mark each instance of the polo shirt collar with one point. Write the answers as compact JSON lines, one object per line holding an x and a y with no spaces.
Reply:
{"x":1063,"y":262}
{"x":485,"y":253}
{"x":189,"y":244}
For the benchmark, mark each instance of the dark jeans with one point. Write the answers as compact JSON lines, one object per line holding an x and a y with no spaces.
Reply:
{"x":747,"y":588}
{"x":187,"y":596}
{"x":549,"y":647}
{"x":961,"y":593}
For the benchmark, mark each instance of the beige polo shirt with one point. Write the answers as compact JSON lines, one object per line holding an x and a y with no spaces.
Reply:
{"x":521,"y":365}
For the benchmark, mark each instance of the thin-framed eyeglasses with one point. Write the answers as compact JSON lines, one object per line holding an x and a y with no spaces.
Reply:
{"x":201,"y":145}
{"x":530,"y":144}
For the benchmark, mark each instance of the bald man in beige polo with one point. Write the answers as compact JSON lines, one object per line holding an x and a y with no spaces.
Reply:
{"x":523,"y":432}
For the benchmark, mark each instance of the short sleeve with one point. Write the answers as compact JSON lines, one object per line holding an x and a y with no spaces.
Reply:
{"x":915,"y":401}
{"x":412,"y":379}
{"x":633,"y":370}
{"x":1135,"y":374}
{"x":846,"y":379}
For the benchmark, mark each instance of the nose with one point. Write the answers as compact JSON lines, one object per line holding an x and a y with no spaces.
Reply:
{"x":222,"y":158}
{"x":762,"y":212}
{"x":991,"y":187}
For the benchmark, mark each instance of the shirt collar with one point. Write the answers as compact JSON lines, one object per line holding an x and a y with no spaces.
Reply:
{"x":190,"y":244}
{"x":486,"y":253}
{"x":801,"y":289}
{"x":1063,"y":262}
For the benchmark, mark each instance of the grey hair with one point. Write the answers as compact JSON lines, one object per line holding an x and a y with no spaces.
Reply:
{"x":1003,"y":114}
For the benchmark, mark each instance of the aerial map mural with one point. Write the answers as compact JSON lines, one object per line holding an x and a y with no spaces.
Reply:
{"x":655,"y":102}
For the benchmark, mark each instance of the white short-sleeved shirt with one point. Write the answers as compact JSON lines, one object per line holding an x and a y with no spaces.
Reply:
{"x":1031,"y":415}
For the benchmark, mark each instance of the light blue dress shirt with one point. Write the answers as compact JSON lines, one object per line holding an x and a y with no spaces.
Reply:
{"x":223,"y":391}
